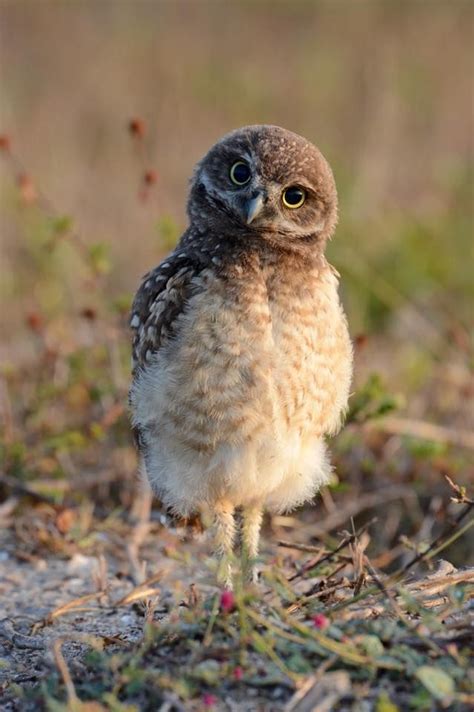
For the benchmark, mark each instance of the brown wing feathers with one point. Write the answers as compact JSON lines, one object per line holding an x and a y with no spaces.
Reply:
{"x":160,"y":299}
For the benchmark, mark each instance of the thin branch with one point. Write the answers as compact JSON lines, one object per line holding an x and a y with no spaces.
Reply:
{"x":434,"y":547}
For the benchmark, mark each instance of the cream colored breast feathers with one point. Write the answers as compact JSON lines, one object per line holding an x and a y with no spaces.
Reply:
{"x":235,"y":406}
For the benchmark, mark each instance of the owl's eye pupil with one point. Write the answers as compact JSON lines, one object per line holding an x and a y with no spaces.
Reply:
{"x":240,"y":173}
{"x":294,"y":197}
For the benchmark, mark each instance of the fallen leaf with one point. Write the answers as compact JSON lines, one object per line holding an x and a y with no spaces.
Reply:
{"x":438,"y":683}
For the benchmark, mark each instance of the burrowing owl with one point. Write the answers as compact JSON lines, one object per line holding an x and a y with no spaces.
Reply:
{"x":242,"y":358}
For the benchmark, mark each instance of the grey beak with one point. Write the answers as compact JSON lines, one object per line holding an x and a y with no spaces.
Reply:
{"x":253,"y":208}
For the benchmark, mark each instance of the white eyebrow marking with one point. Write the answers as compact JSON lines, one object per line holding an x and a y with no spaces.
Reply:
{"x":247,"y":157}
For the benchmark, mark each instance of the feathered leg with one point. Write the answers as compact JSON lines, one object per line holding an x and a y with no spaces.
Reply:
{"x":251,"y":523}
{"x":224,"y":525}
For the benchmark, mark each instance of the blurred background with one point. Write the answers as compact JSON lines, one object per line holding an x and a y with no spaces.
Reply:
{"x":105,"y":108}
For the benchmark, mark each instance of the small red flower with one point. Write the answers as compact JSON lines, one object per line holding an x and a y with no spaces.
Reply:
{"x":35,"y":322}
{"x":5,"y":142}
{"x":209,"y":700}
{"x":238,"y":673}
{"x":136,"y":127}
{"x":320,"y":621}
{"x":360,"y":341}
{"x":150,"y":177}
{"x":227,"y":602}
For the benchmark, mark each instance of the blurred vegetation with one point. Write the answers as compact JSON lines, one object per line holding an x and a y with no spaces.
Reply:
{"x":105,"y":109}
{"x":365,"y":81}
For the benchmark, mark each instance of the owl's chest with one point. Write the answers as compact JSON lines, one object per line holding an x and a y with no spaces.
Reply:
{"x":249,"y":355}
{"x":313,"y":353}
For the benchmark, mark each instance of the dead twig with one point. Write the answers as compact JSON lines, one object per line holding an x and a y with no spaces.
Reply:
{"x":144,"y":590}
{"x":436,"y":584}
{"x":319,"y":560}
{"x":303,"y":693}
{"x":434,"y":546}
{"x":460,"y":491}
{"x":330,"y":555}
{"x":73,"y":606}
{"x":64,"y":671}
{"x":311,"y":596}
{"x":300,"y":547}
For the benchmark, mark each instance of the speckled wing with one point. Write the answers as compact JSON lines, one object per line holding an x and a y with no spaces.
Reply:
{"x":160,"y":299}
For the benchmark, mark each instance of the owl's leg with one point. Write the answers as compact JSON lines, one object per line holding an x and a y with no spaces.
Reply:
{"x":251,"y":523}
{"x":224,"y":525}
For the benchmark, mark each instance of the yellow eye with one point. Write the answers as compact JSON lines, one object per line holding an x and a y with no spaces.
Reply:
{"x":293,"y":197}
{"x":240,"y":173}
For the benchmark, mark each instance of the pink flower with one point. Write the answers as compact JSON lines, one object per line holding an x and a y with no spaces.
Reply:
{"x":136,"y":127}
{"x":209,"y":700}
{"x":320,"y":621}
{"x":227,"y":602}
{"x":238,"y":673}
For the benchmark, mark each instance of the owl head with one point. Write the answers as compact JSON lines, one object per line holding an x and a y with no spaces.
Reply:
{"x":266,"y":183}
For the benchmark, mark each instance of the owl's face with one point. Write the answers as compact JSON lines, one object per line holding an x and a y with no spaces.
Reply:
{"x":267,"y":182}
